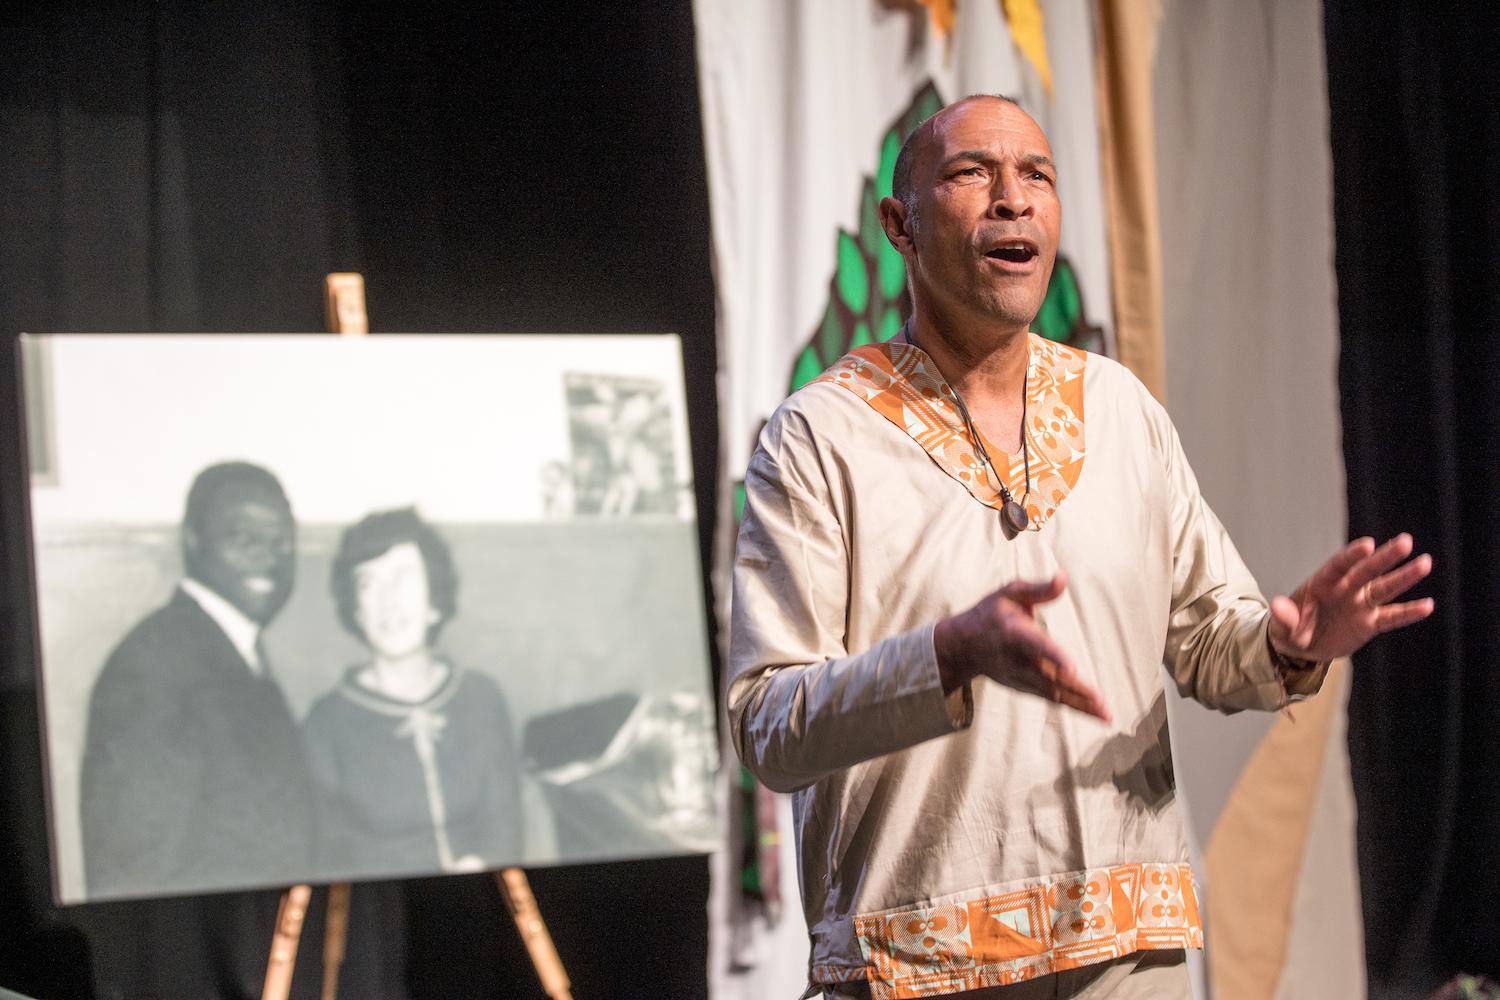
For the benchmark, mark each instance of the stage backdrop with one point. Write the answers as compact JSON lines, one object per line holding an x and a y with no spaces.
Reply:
{"x":805,"y":106}
{"x":1251,"y":344}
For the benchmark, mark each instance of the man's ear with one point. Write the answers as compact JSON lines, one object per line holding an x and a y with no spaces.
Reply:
{"x":189,"y":540}
{"x":893,"y":219}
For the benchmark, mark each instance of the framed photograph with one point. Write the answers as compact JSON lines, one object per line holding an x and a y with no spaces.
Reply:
{"x":318,"y":609}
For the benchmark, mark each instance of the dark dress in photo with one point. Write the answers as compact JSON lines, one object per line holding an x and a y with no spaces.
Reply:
{"x":415,"y":788}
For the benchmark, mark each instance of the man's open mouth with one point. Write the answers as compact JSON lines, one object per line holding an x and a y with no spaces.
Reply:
{"x":1013,"y":251}
{"x":259,"y":584}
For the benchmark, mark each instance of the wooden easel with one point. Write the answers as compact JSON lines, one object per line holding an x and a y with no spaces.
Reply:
{"x":346,"y":315}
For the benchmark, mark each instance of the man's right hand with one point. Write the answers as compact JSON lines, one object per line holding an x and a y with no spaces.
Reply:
{"x":1000,"y":638}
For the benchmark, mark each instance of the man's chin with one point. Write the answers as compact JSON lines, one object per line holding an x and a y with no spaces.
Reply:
{"x":1016,"y":319}
{"x":1017,"y":305}
{"x":260,"y":608}
{"x":1020,"y":310}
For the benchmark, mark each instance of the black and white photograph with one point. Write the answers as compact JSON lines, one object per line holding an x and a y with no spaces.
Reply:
{"x":624,"y":463}
{"x":316,"y":608}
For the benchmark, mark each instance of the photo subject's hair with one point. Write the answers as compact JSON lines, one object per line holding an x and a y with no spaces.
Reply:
{"x":376,"y":535}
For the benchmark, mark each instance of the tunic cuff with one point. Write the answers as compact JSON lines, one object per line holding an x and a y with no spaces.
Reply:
{"x":1299,"y":679}
{"x":960,"y":701}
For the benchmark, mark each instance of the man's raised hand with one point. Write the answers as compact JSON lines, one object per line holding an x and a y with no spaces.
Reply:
{"x":1000,"y":638}
{"x":1349,"y":600}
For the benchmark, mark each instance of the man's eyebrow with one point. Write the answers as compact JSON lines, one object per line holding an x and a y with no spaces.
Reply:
{"x":976,"y":155}
{"x":984,"y":156}
{"x":1038,"y":160}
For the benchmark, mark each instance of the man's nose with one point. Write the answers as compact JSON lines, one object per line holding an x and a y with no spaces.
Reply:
{"x":262,"y":553}
{"x":1008,"y":199}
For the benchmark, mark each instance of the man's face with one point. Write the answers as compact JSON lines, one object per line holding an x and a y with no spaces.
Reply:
{"x":244,"y":551}
{"x":987,"y":214}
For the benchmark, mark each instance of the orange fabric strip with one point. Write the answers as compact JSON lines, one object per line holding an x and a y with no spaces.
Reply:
{"x":1066,"y":922}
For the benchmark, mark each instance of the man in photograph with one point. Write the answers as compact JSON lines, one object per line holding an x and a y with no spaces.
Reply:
{"x":193,"y":775}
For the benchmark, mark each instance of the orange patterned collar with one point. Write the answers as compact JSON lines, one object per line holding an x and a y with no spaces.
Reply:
{"x":902,"y":383}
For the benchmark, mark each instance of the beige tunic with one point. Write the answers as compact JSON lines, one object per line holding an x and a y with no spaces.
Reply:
{"x":950,"y":844}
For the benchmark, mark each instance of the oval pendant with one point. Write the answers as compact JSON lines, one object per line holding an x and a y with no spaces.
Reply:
{"x":1013,"y":517}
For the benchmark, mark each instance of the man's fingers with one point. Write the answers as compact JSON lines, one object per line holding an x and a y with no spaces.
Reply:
{"x":1377,"y":562}
{"x":1385,"y":588}
{"x":1284,"y":617}
{"x":1046,"y":670}
{"x":1289,"y":626}
{"x":1344,"y":560}
{"x":1029,"y":643}
{"x":1394,"y":616}
{"x":1033,"y":592}
{"x":1062,"y":684}
{"x":1070,"y":690}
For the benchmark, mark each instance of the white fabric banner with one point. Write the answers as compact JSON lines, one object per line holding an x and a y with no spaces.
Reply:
{"x":803,"y":102}
{"x":1251,"y":331}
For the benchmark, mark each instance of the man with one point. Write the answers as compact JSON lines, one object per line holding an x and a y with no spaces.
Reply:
{"x":193,"y":775}
{"x":956,"y":832}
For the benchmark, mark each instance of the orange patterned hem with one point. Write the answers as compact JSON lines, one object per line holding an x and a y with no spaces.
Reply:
{"x":1066,"y":922}
{"x":902,"y":383}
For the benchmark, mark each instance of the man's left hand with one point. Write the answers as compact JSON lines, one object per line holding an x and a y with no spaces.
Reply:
{"x":1347,"y":602}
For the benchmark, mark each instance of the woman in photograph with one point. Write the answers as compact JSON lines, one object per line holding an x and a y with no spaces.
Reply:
{"x":414,"y":755}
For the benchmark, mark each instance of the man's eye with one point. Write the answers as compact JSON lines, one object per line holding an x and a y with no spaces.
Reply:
{"x":968,"y":172}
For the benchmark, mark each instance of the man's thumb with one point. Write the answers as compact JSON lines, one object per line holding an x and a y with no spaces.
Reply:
{"x":1032,"y":592}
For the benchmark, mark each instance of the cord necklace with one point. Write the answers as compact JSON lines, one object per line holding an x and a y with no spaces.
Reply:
{"x":1013,"y":516}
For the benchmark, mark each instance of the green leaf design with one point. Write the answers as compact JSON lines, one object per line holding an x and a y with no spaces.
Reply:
{"x":831,"y":336}
{"x":892,"y":270}
{"x":867,"y":295}
{"x":885,"y":176}
{"x":1050,"y":321}
{"x":928,"y":103}
{"x":871,"y":236}
{"x":853,"y":277}
{"x":809,"y":366}
{"x":1062,"y":317}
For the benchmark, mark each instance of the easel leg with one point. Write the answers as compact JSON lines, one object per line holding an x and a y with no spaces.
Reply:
{"x":289,"y":918}
{"x":549,"y":968}
{"x":335,"y":934}
{"x":345,"y":298}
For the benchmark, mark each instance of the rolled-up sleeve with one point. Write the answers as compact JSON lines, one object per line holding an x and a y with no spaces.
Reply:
{"x":801,"y":704}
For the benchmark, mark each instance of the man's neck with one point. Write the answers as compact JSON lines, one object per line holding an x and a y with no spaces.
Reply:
{"x":985,"y":366}
{"x":242,"y":632}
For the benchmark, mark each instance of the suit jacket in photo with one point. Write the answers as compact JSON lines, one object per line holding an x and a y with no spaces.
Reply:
{"x":193,"y":773}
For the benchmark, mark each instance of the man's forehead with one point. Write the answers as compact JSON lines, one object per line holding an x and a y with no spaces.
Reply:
{"x":979,"y":121}
{"x":246,"y":501}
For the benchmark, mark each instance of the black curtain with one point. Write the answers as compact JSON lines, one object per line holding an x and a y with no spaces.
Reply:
{"x":1415,"y":125}
{"x":525,"y":167}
